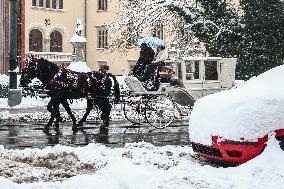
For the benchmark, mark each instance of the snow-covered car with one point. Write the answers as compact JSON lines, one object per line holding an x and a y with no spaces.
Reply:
{"x":234,"y":125}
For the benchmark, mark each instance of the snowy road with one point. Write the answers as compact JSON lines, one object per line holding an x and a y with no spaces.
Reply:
{"x":22,"y":135}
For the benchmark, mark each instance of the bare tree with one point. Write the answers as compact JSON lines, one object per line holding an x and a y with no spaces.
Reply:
{"x":139,"y":17}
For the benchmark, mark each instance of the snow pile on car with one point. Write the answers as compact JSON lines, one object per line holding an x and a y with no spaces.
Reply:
{"x":249,"y":111}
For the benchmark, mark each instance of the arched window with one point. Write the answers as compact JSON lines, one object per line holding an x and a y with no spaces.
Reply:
{"x":55,"y":41}
{"x":35,"y":40}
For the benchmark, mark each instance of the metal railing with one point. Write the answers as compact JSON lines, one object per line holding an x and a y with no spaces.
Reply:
{"x":56,"y":57}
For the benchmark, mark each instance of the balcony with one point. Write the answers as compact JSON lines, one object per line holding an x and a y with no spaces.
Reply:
{"x":55,"y":57}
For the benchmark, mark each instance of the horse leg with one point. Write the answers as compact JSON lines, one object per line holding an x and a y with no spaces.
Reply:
{"x":88,"y":110}
{"x":53,"y":108}
{"x":105,"y":107}
{"x":68,"y":110}
{"x":52,"y":116}
{"x":58,"y":119}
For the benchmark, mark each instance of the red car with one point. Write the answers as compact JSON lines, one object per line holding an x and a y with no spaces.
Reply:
{"x":235,"y":151}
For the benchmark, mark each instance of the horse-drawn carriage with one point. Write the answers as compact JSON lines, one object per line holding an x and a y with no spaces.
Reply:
{"x":183,"y":81}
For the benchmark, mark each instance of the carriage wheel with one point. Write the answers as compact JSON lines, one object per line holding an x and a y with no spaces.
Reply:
{"x":134,"y":112}
{"x":160,"y":111}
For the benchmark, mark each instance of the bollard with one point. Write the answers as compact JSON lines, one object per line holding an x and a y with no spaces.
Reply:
{"x":14,"y":97}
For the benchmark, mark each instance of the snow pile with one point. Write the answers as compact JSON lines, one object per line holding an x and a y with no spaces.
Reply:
{"x":138,"y":165}
{"x":78,"y":39}
{"x":4,"y":79}
{"x":250,"y":111}
{"x":79,"y":67}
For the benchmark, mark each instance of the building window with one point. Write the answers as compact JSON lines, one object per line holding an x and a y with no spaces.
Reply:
{"x":54,"y":6}
{"x":211,"y":72}
{"x":40,"y":3}
{"x":102,"y":38}
{"x":102,"y":4}
{"x":60,"y":4}
{"x":130,"y":39}
{"x":55,"y":41}
{"x":47,"y":3}
{"x":35,"y":40}
{"x":192,"y":70}
{"x":34,"y":3}
{"x":158,"y":31}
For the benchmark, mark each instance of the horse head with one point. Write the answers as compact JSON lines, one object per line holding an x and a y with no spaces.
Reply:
{"x":29,"y":72}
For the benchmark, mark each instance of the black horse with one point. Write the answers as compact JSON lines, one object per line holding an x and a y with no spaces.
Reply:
{"x":63,"y":84}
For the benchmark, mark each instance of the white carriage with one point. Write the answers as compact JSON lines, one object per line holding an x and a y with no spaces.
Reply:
{"x":191,"y":79}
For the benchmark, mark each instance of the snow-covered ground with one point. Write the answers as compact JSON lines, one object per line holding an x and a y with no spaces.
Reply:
{"x":136,"y":166}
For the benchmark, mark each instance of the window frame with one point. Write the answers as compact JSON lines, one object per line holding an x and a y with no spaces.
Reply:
{"x":102,"y":5}
{"x":60,"y":5}
{"x":49,"y":5}
{"x":102,"y":38}
{"x":58,"y":43}
{"x":41,"y":3}
{"x":158,"y":30}
{"x":208,"y":72}
{"x":34,"y":3}
{"x":37,"y":34}
{"x":52,"y":4}
{"x":192,"y":70}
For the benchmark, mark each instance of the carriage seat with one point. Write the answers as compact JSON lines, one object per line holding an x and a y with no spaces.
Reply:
{"x":137,"y":87}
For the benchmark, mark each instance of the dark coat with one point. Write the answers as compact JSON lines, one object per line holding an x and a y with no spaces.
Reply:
{"x":146,"y":57}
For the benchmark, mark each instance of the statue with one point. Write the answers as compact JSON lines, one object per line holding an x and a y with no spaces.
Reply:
{"x":79,"y":27}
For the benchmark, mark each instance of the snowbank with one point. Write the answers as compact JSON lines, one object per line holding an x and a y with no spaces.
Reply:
{"x":79,"y":67}
{"x":250,"y":111}
{"x":4,"y":79}
{"x":137,"y":165}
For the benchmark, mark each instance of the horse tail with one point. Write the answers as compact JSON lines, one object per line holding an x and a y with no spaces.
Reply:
{"x":115,"y":87}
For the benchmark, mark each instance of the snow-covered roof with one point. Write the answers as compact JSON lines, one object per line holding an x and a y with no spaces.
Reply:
{"x":250,"y":111}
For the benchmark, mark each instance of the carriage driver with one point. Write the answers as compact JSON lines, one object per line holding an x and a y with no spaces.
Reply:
{"x":151,"y":74}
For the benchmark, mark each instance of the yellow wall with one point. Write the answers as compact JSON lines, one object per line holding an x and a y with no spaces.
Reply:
{"x":64,"y":21}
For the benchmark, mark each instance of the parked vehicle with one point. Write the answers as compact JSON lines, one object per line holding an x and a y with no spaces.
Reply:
{"x":234,"y":126}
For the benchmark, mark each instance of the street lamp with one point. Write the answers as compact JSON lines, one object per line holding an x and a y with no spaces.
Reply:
{"x":14,"y":94}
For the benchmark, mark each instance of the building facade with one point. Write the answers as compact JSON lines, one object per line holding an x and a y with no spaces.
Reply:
{"x":50,"y":24}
